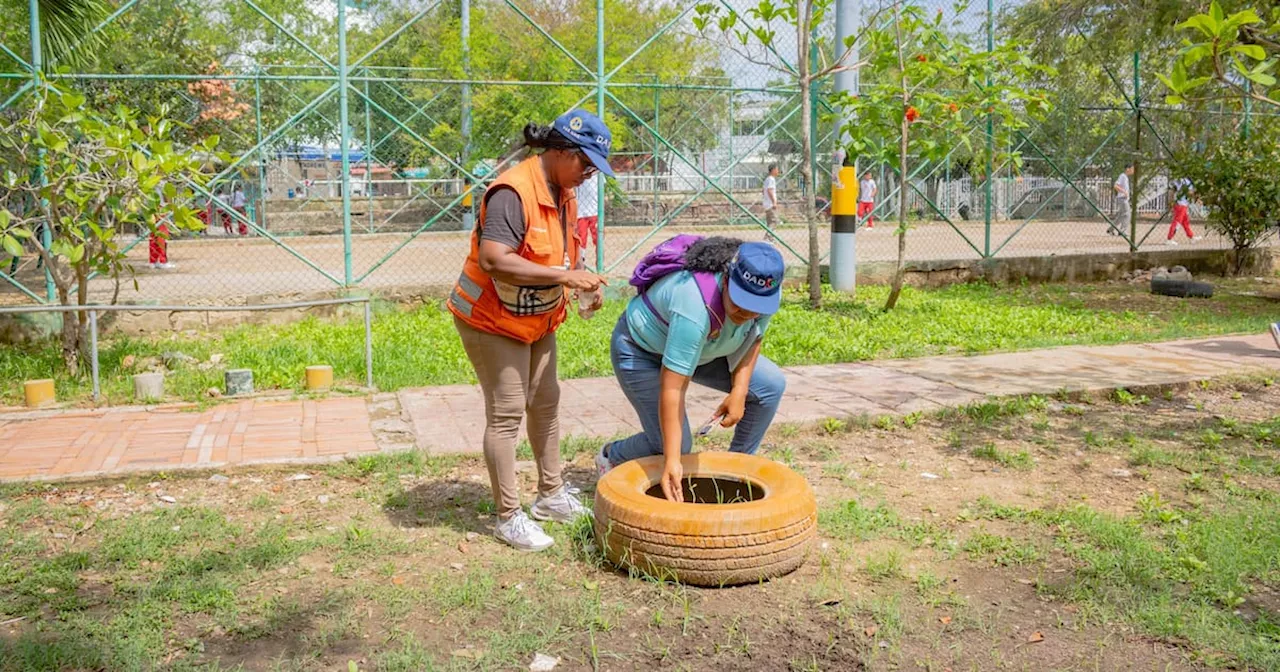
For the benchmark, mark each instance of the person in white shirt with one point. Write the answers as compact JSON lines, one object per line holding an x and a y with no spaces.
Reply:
{"x":867,"y":191}
{"x":588,"y":210}
{"x":1122,"y":189}
{"x":770,"y":197}
{"x":238,"y":203}
{"x":1181,"y":189}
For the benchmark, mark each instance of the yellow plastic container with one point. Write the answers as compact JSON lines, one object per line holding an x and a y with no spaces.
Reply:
{"x":39,"y":393}
{"x":319,"y":377}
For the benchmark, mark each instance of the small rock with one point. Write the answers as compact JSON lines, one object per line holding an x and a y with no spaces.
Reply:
{"x":472,"y":654}
{"x":457,"y":566}
{"x":299,"y":477}
{"x":323,"y":499}
{"x":929,"y":476}
{"x":215,"y":359}
{"x":169,"y":499}
{"x":1121,"y":473}
{"x":884,"y":644}
{"x":176,"y":360}
{"x":255,"y":479}
{"x":213,"y":393}
{"x":59,"y":535}
{"x":472,"y":536}
{"x":543,"y":663}
{"x":153,"y":485}
{"x":219,"y":478}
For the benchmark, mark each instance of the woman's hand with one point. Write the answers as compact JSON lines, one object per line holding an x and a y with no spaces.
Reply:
{"x":582,"y":280}
{"x":672,"y":474}
{"x":732,"y":409}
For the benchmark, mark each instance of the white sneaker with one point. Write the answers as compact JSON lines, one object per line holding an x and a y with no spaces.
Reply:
{"x":522,"y":534}
{"x":560,"y":507}
{"x":153,"y":266}
{"x":167,"y":266}
{"x":1197,"y":238}
{"x":603,"y":465}
{"x":1275,"y":332}
{"x":1171,"y":243}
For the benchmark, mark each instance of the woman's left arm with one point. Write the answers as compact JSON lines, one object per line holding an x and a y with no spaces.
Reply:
{"x":735,"y":405}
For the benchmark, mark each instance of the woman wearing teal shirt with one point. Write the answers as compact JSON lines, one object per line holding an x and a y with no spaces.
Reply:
{"x":661,"y":344}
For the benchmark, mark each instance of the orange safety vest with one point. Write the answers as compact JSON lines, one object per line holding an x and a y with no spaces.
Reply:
{"x":525,"y":314}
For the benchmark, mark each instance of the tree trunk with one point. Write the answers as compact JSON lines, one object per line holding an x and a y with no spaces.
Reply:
{"x":806,"y":171}
{"x":903,"y":181}
{"x":900,"y":269}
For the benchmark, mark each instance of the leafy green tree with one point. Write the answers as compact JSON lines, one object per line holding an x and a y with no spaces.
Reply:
{"x":921,"y":91}
{"x":86,"y":182}
{"x":756,"y":34}
{"x":1237,"y":52}
{"x":1238,"y":179}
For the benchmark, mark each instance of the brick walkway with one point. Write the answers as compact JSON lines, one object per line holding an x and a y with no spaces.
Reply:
{"x":111,"y":441}
{"x":451,"y":419}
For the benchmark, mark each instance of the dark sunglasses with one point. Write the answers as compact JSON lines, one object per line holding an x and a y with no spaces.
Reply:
{"x":588,"y":168}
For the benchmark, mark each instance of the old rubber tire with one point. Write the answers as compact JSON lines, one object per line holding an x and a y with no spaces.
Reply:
{"x":1182,"y":288}
{"x":707,"y":544}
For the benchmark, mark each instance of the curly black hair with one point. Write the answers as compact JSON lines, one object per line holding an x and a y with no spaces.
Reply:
{"x":713,"y":254}
{"x":537,"y":136}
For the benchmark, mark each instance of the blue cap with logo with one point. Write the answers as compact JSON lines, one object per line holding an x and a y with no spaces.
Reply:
{"x":755,"y":278}
{"x":590,"y":134}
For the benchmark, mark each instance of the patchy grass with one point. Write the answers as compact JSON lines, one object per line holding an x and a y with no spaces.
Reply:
{"x":386,"y":563}
{"x":418,"y":346}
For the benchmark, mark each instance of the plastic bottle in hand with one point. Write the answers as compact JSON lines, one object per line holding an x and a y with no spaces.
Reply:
{"x":586,"y":303}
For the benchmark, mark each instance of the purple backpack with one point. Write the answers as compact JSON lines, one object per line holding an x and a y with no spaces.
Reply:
{"x":667,"y":258}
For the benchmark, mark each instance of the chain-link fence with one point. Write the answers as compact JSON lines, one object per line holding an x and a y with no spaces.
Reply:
{"x":360,"y":136}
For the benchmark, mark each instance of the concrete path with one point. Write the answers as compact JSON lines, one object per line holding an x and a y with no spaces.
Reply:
{"x":440,"y":420}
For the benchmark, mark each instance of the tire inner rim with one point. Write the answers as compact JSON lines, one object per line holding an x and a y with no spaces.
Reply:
{"x":714,"y":490}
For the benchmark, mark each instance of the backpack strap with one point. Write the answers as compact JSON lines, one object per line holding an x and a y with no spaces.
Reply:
{"x":711,"y":298}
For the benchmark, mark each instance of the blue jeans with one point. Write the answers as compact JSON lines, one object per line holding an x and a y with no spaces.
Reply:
{"x":639,"y":374}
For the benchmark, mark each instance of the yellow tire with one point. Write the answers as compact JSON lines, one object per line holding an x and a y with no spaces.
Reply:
{"x":744,"y":519}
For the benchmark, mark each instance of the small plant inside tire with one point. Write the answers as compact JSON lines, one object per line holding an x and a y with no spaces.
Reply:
{"x":745,"y":519}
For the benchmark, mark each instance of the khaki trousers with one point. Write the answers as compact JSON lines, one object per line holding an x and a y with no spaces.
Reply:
{"x":518,"y":380}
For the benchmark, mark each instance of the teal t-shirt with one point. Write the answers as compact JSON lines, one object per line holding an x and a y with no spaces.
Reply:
{"x":683,"y":340}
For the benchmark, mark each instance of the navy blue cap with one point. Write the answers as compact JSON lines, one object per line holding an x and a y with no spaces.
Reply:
{"x":755,"y":278}
{"x":590,"y":134}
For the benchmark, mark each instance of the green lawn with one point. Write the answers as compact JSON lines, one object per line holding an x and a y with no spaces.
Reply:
{"x":418,"y":347}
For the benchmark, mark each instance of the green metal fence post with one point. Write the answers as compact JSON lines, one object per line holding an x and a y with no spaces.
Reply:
{"x":368,"y":153}
{"x":257,"y":130}
{"x":600,"y":81}
{"x":468,"y":210}
{"x":37,"y":74}
{"x":1137,"y":152}
{"x":343,"y":104}
{"x":657,"y":111}
{"x":1248,"y":107}
{"x":991,"y":141}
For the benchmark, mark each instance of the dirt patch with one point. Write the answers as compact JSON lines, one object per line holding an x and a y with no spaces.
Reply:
{"x":925,"y":559}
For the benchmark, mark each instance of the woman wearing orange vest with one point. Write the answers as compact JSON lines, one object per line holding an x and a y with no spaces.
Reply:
{"x":508,"y":302}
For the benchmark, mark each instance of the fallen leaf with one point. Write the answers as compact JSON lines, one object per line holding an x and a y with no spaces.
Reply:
{"x":1035,"y":637}
{"x":299,"y":477}
{"x":1027,"y":582}
{"x":286,"y":509}
{"x":590,"y":585}
{"x":397,"y":580}
{"x":871,"y":630}
{"x":458,"y":566}
{"x":463,"y":548}
{"x":473,"y":654}
{"x":945,"y":620}
{"x":830,"y":603}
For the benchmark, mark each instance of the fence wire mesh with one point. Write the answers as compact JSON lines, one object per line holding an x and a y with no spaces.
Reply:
{"x":435,"y":93}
